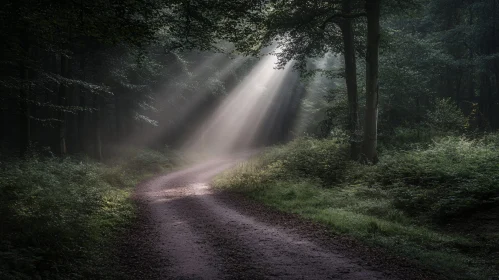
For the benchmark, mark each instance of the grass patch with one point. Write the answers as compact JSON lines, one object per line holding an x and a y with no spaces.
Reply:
{"x":60,"y":218}
{"x":412,"y":203}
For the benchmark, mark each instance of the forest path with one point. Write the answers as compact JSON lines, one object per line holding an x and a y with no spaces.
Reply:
{"x":203,"y":234}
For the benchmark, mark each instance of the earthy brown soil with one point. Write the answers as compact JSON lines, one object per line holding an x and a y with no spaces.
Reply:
{"x":188,"y":231}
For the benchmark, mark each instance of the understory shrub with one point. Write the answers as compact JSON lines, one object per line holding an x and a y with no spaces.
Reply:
{"x":414,"y":202}
{"x":450,"y":177}
{"x":59,"y":217}
{"x":146,"y":161}
{"x":444,"y":118}
{"x":325,"y":160}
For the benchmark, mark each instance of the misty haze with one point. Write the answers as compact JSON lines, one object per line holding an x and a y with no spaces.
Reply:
{"x":212,"y":139}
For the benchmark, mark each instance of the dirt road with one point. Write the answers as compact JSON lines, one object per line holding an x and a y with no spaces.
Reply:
{"x":201,"y":235}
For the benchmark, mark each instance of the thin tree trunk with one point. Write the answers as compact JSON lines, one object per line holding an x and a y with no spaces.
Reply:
{"x":471,"y":81}
{"x":372,"y":87}
{"x":119,"y":121}
{"x":496,"y":113}
{"x":82,"y":113}
{"x":97,"y":131}
{"x":485,"y":94}
{"x":128,"y":124}
{"x":351,"y":81}
{"x":496,"y":70}
{"x":81,"y":121}
{"x":24,"y":114}
{"x":61,"y":101}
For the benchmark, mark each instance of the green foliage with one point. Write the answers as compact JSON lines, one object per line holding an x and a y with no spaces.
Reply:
{"x":335,"y":118}
{"x":405,"y":203}
{"x":451,"y":177}
{"x":442,"y":119}
{"x":146,"y":162}
{"x":446,"y":117}
{"x":323,"y":160}
{"x":60,"y":218}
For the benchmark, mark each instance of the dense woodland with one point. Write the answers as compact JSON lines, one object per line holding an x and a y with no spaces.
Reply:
{"x":77,"y":77}
{"x":398,"y":83}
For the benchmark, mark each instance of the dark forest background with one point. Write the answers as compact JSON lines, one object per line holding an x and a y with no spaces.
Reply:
{"x":386,"y":131}
{"x":80,"y":77}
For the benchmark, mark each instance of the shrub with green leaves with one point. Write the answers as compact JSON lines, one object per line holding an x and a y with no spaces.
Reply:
{"x":59,"y":218}
{"x":325,"y":160}
{"x":400,"y":203}
{"x":446,"y":116}
{"x":146,"y":162}
{"x":452,"y":176}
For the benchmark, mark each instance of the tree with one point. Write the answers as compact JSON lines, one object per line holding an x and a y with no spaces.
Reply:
{"x":454,"y":51}
{"x":53,"y":50}
{"x":302,"y":30}
{"x":372,"y":86}
{"x":351,"y":80}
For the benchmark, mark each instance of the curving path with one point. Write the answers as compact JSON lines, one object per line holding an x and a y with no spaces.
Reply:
{"x":202,"y":236}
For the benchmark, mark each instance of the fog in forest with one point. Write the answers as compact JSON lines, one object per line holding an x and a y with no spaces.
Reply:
{"x":213,"y":139}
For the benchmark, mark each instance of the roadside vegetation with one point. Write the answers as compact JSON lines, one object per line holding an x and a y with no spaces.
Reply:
{"x":435,"y":201}
{"x":396,"y":120}
{"x":62,"y":218}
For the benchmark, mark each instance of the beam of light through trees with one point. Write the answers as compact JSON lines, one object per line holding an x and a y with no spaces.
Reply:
{"x":174,"y":107}
{"x":235,"y":123}
{"x":318,"y":87}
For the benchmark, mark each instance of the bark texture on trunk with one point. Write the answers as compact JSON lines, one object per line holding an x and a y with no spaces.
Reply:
{"x":372,"y":71}
{"x":351,"y":81}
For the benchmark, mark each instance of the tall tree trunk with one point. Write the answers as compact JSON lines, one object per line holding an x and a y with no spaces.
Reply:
{"x":372,"y":87}
{"x":24,"y":114}
{"x":496,"y":64}
{"x":3,"y":126}
{"x":494,"y":113}
{"x":82,"y":113}
{"x":484,"y":101}
{"x":119,"y":121}
{"x":351,"y":81}
{"x":97,"y":130}
{"x":81,"y":121}
{"x":471,"y":80}
{"x":61,"y":101}
{"x":128,"y":123}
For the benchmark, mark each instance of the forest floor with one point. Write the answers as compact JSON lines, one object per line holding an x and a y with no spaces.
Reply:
{"x":187,"y":230}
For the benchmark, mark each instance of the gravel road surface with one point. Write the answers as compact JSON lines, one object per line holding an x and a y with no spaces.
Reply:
{"x":189,"y":231}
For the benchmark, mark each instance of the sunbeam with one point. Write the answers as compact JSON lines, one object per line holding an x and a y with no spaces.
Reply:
{"x":174,"y":108}
{"x":235,"y":123}
{"x":316,"y":89}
